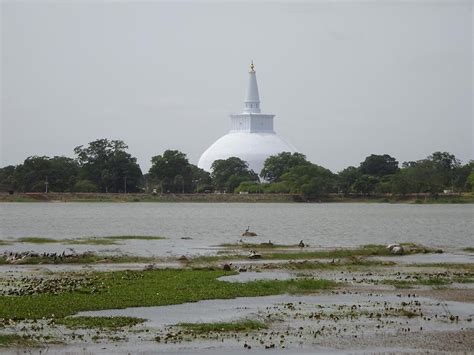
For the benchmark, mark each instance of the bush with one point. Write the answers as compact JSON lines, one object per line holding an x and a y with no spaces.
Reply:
{"x":250,"y":187}
{"x":276,"y":188}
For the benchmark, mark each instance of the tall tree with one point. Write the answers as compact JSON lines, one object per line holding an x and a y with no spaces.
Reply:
{"x":311,"y":180}
{"x":59,"y":173}
{"x":7,"y":178}
{"x":201,"y":179}
{"x":276,"y":165}
{"x":229,"y":173}
{"x":107,"y":164}
{"x":172,"y":170}
{"x":346,"y":179}
{"x":379,"y":165}
{"x":445,"y":164}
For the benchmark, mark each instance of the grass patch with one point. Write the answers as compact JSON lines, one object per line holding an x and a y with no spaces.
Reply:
{"x":469,"y":250}
{"x":348,"y":263}
{"x":4,"y":242}
{"x":111,"y":323}
{"x":245,"y":325}
{"x":37,"y":240}
{"x":369,"y":250}
{"x":364,"y":251}
{"x":122,"y":289}
{"x":432,"y":281}
{"x":15,"y":340}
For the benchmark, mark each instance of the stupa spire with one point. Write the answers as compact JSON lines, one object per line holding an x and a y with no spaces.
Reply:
{"x":252,"y":99}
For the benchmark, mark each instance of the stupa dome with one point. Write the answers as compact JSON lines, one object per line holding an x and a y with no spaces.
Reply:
{"x":251,"y":136}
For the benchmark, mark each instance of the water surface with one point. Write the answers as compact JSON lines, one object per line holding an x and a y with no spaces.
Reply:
{"x":210,"y":224}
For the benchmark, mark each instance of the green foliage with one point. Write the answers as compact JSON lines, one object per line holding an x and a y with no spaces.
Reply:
{"x":310,"y":179}
{"x":85,"y":186}
{"x":172,"y":172}
{"x":124,"y":289}
{"x":7,"y":178}
{"x":110,"y":323}
{"x":365,"y":184}
{"x":59,"y":172}
{"x":107,"y":165}
{"x":276,"y":187}
{"x":245,"y":325}
{"x":277,"y":165}
{"x":250,"y":187}
{"x":346,"y":179}
{"x":379,"y":165}
{"x":201,"y":179}
{"x":228,"y":174}
{"x":470,"y":181}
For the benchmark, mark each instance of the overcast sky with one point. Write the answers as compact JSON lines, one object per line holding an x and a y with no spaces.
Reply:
{"x":345,"y":79}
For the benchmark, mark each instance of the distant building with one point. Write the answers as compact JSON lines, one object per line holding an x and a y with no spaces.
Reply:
{"x":251,"y":136}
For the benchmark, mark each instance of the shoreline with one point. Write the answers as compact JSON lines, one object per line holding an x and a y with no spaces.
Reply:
{"x":421,"y":198}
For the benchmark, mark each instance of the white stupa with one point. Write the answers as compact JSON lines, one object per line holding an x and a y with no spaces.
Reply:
{"x":251,"y":136}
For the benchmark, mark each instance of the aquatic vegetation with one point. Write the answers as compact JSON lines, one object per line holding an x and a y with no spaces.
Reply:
{"x":339,"y":253}
{"x":37,"y":240}
{"x":352,"y":263}
{"x":110,"y":323}
{"x":245,"y":325}
{"x":123,"y":289}
{"x":469,"y":250}
{"x":431,"y":280}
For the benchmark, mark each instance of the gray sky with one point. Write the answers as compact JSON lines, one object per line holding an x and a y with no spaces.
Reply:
{"x":345,"y":79}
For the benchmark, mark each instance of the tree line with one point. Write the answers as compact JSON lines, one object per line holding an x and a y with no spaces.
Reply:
{"x":106,"y":166}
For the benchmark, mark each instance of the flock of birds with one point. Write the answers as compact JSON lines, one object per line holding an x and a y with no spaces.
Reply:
{"x":255,"y":255}
{"x":18,"y":256}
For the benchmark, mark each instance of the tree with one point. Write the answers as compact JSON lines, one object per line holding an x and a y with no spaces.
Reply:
{"x":460,"y":176}
{"x":311,"y":180}
{"x":201,"y":179}
{"x":165,"y":168}
{"x":276,"y":165}
{"x":229,"y":173}
{"x":445,"y":165}
{"x":107,"y":165}
{"x":420,"y":176}
{"x":365,"y":184}
{"x":85,"y":186}
{"x":7,"y":178}
{"x":470,"y":181}
{"x":379,"y":165}
{"x":346,"y":179}
{"x":60,"y":173}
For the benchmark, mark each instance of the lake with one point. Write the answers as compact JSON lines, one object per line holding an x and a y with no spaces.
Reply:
{"x":211,"y":224}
